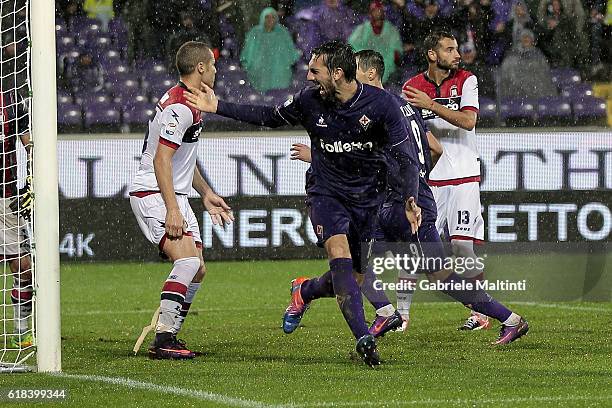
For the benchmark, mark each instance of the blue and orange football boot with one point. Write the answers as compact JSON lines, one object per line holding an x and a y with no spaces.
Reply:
{"x":296,"y":309}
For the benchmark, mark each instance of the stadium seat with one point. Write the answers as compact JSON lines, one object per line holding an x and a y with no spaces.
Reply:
{"x":69,"y":114}
{"x":518,"y":109}
{"x":89,"y":97}
{"x":60,"y":27}
{"x":554,"y":107}
{"x":102,"y":114}
{"x":158,"y":89}
{"x":64,"y":98}
{"x":131,"y":97}
{"x":154,"y":73}
{"x":488,"y":109}
{"x":577,"y":90}
{"x":88,"y":28}
{"x":563,"y":77}
{"x":138,"y":113}
{"x":589,"y":107}
{"x":96,"y":46}
{"x":110,"y":60}
{"x":276,"y":96}
{"x":65,"y":43}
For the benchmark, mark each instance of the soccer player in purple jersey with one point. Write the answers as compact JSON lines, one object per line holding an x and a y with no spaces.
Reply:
{"x":350,"y":126}
{"x":394,"y":227}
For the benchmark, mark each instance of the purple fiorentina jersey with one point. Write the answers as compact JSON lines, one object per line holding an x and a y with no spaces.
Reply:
{"x":350,"y":142}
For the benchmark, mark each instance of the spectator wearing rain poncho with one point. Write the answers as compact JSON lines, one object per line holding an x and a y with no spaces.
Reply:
{"x":269,"y":53}
{"x":525,"y":72}
{"x":379,"y":35}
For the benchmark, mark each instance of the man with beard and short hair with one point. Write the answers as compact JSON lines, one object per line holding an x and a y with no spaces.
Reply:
{"x":352,"y":127}
{"x":448,"y":99}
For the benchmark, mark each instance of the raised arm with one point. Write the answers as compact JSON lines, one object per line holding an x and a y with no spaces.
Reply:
{"x":271,"y":116}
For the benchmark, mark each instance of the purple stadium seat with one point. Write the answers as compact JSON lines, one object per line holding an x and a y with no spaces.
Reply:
{"x":97,"y":46}
{"x":124,"y":86}
{"x":562,"y":77}
{"x":88,"y":28}
{"x":154,"y":73}
{"x":69,"y":115}
{"x":65,"y":43}
{"x":118,"y":74}
{"x":110,"y":60}
{"x":576,"y":91}
{"x":138,"y":113}
{"x":589,"y":107}
{"x":554,"y":107}
{"x":131,"y":97}
{"x":518,"y":109}
{"x":102,"y":114}
{"x":157,"y":90}
{"x":488,"y":108}
{"x":64,"y":98}
{"x":87,"y":97}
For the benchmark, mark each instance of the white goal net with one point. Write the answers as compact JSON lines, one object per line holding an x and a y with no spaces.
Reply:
{"x":17,"y":331}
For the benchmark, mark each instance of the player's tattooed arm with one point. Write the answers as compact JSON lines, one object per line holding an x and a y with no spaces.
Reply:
{"x":220,"y":213}
{"x":162,"y":163}
{"x":435,"y":148}
{"x":465,"y":119}
{"x":300,"y":151}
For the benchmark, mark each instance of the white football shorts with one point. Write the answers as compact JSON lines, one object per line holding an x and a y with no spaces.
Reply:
{"x":459,"y":209}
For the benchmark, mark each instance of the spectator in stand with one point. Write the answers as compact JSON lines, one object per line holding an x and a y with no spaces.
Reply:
{"x":484,"y":73}
{"x":471,"y":21}
{"x":417,"y":8}
{"x":284,"y":9}
{"x":595,"y":30}
{"x":232,"y":13}
{"x":561,"y":35}
{"x":85,"y":75}
{"x":525,"y":72}
{"x":72,"y":14}
{"x":138,"y":28}
{"x":520,"y":19}
{"x":101,"y":10}
{"x":186,"y":32}
{"x":332,"y":20}
{"x":379,"y":35}
{"x":432,"y":21}
{"x":269,"y":53}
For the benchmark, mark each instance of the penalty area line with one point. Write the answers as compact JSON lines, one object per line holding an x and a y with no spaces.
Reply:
{"x":167,"y":389}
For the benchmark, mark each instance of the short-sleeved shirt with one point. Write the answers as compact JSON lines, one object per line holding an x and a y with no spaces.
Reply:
{"x":461,"y":160}
{"x":177,"y":126}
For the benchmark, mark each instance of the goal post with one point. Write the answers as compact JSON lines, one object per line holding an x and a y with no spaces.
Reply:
{"x":45,"y":184}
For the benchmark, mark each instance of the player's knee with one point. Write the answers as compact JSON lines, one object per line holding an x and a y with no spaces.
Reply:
{"x":186,"y":268}
{"x":199,"y":276}
{"x":463,"y":249}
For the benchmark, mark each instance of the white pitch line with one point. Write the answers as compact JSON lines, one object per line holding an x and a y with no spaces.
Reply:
{"x":455,"y":402}
{"x":167,"y":389}
{"x":280,"y":308}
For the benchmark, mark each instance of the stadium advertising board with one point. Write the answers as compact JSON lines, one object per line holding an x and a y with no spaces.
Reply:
{"x":536,"y":187}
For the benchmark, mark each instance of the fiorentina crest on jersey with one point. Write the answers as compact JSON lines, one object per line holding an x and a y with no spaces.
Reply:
{"x":365,"y":121}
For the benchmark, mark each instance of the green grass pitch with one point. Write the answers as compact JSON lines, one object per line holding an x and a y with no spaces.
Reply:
{"x":565,"y":360}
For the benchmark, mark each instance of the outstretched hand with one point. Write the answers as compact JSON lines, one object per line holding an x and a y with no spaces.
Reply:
{"x":203,"y":100}
{"x":220,"y":213}
{"x":300,"y":151}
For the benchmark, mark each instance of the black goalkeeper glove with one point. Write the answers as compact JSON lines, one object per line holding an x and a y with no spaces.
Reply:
{"x":22,"y":204}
